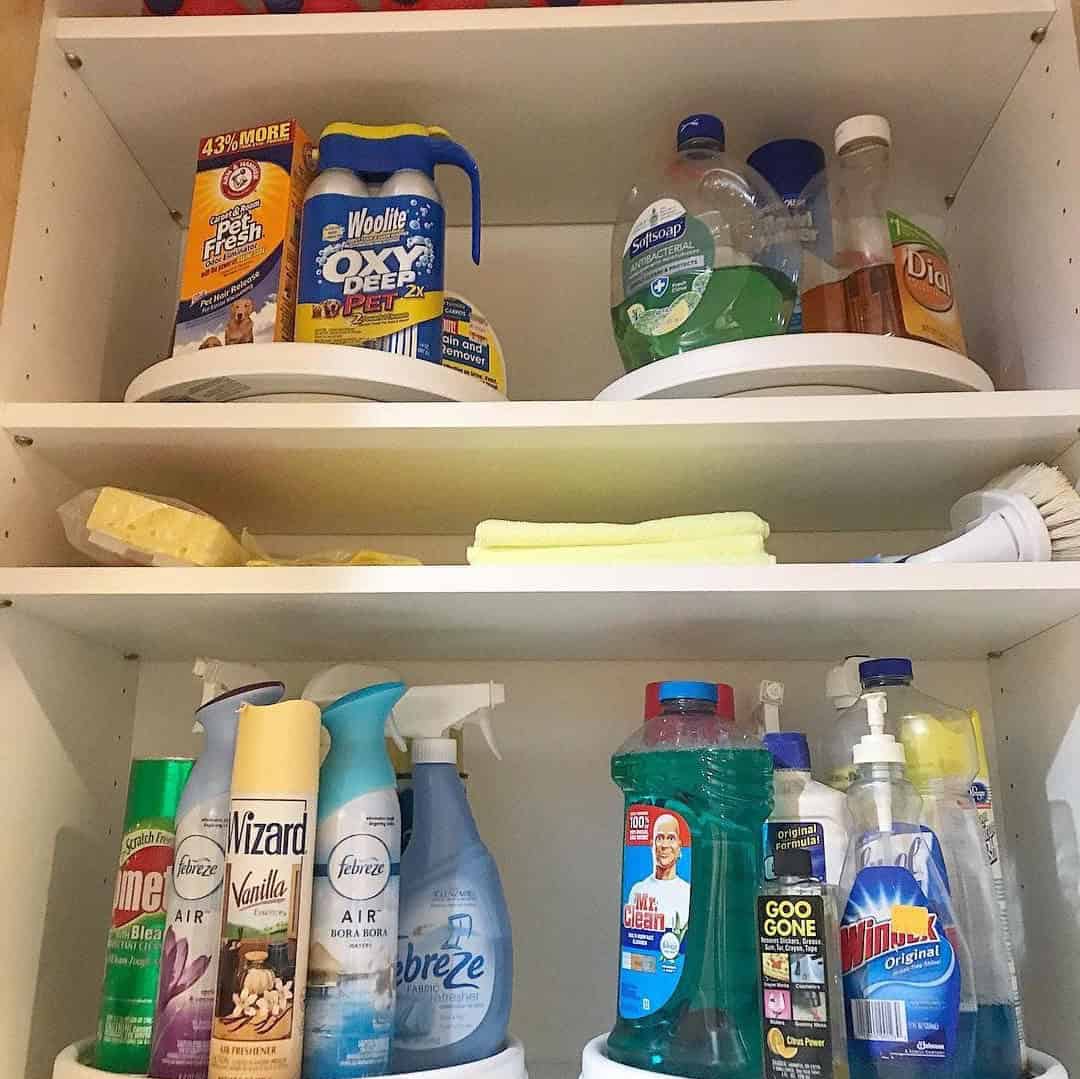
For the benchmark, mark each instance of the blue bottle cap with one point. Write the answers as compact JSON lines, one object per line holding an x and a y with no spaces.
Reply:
{"x":789,"y":750}
{"x":688,"y":691}
{"x":788,"y":164}
{"x":702,"y":125}
{"x":875,"y":672}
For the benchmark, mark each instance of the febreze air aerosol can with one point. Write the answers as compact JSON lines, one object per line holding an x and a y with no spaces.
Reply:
{"x":373,"y":239}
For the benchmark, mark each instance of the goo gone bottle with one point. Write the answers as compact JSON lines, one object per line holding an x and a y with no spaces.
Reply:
{"x":138,"y":915}
{"x":696,"y":801}
{"x":373,"y":239}
{"x":350,"y":993}
{"x":907,"y":972}
{"x":187,"y":986}
{"x":455,"y":960}
{"x":266,"y":909}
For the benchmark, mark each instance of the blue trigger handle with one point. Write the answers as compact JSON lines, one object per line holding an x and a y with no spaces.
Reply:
{"x":448,"y":152}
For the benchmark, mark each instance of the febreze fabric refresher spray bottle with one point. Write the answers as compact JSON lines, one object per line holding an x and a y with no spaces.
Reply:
{"x":137,"y":925}
{"x":266,"y":909}
{"x":349,"y":1016}
{"x":455,"y":960}
{"x":907,"y":971}
{"x":696,"y":803}
{"x":187,"y":984}
{"x":373,"y":239}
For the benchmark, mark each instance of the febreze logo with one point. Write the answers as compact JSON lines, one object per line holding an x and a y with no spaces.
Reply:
{"x":197,"y":868}
{"x":867,"y":939}
{"x":358,"y":867}
{"x":658,"y":234}
{"x":455,"y":966}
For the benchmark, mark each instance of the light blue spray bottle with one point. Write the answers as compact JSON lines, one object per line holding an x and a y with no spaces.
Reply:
{"x":354,"y":918}
{"x":188,"y":982}
{"x":455,"y":960}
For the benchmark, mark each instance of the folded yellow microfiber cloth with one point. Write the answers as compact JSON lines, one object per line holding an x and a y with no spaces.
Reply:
{"x":729,"y":550}
{"x":702,"y":526}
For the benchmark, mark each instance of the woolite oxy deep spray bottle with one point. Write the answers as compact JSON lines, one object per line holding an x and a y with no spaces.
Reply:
{"x":373,"y":240}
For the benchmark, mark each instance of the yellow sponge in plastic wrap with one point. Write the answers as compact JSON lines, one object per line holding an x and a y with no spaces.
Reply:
{"x":122,"y":527}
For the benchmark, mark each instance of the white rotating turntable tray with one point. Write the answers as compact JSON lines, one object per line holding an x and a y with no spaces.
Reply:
{"x":807,"y":363}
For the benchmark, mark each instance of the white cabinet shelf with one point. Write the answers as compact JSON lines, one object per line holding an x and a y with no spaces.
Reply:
{"x":557,"y":93}
{"x":581,"y":613}
{"x":805,"y":464}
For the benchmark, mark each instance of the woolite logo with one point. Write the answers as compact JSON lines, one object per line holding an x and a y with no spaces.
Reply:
{"x":140,"y":882}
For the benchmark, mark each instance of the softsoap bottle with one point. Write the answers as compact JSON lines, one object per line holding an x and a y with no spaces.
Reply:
{"x":266,"y":913}
{"x":455,"y":960}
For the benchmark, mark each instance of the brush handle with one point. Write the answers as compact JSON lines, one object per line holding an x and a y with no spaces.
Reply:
{"x":991,"y":540}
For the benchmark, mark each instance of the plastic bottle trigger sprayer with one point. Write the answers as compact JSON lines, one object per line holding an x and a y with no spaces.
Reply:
{"x":447,"y":857}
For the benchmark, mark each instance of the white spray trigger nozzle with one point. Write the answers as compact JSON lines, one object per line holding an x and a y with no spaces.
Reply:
{"x":393,"y":732}
{"x":219,"y":676}
{"x":430,"y":714}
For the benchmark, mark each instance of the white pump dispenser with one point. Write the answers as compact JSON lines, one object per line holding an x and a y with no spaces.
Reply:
{"x":877,"y":747}
{"x":427,"y":715}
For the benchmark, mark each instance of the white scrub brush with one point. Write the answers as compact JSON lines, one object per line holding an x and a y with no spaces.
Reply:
{"x":1031,"y":514}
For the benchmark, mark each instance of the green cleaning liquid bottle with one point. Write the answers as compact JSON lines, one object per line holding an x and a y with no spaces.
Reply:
{"x":703,"y":254}
{"x":697,"y":794}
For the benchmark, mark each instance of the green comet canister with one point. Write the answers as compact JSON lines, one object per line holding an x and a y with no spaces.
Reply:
{"x":133,"y":953}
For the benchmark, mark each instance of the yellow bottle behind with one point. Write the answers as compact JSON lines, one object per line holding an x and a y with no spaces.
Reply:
{"x":266,"y":914}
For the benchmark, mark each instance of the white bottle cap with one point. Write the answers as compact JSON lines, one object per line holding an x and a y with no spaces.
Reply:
{"x":862,"y":127}
{"x":842,"y":685}
{"x":877,"y":747}
{"x":434,"y":751}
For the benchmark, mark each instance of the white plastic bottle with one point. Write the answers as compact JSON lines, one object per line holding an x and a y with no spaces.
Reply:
{"x":807,"y":815}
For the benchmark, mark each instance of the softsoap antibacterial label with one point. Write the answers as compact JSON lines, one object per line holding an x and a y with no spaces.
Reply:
{"x":350,"y":996}
{"x":655,"y":908}
{"x":445,"y":973}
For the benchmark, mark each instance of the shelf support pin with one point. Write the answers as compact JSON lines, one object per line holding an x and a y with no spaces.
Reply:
{"x":1038,"y":35}
{"x":74,"y":60}
{"x":131,"y":657}
{"x":949,"y":200}
{"x":5,"y":603}
{"x":22,"y":441}
{"x":177,"y":216}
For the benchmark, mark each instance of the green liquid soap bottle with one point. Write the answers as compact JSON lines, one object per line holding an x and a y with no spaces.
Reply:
{"x":697,"y":794}
{"x":703,"y":254}
{"x":802,"y":999}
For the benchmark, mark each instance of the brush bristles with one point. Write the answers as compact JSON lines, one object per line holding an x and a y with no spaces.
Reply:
{"x":1051,"y":493}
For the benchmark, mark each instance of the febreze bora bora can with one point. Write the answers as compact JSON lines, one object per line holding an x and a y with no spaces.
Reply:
{"x":266,"y":910}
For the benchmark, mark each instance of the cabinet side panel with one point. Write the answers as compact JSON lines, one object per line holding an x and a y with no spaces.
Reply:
{"x":69,"y":708}
{"x":1036,"y":694}
{"x":91,"y":287}
{"x":1014,"y":230}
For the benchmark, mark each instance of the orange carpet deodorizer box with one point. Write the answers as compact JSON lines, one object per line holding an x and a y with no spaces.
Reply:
{"x":238,"y":282}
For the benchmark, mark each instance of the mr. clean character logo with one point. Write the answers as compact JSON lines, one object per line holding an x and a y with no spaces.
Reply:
{"x":240,"y":178}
